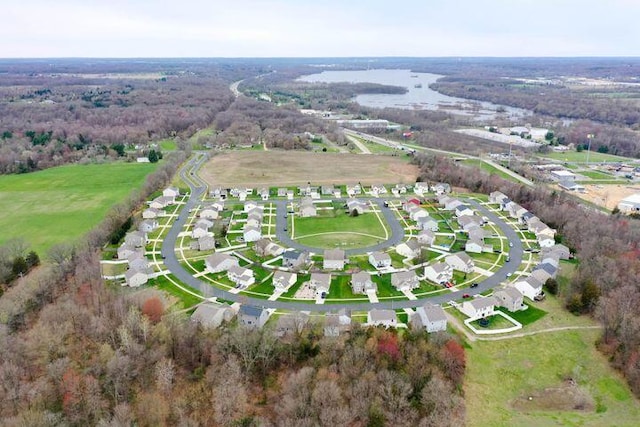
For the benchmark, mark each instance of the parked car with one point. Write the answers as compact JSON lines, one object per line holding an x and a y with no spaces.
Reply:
{"x":507,"y":259}
{"x":474,"y":285}
{"x":509,"y":274}
{"x":448,"y":285}
{"x":466,"y":296}
{"x":539,"y":297}
{"x":510,"y":244}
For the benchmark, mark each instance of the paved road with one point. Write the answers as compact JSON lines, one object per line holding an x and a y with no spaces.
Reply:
{"x":198,"y":188}
{"x":397,"y":231}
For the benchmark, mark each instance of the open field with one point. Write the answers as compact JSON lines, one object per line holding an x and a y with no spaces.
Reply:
{"x":502,"y":375}
{"x":581,"y":157}
{"x":607,"y":196}
{"x":61,"y":204}
{"x":277,"y":168}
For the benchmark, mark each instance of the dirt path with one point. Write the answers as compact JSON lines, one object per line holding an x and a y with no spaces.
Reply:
{"x":359,"y":144}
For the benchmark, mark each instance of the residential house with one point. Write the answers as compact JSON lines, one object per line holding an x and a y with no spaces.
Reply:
{"x":354,"y":189}
{"x":479,"y":307}
{"x":217,"y":262}
{"x":386,"y":318}
{"x":509,"y":298}
{"x":549,"y":270}
{"x":307,"y":208}
{"x":378,"y":189}
{"x":251,"y":233}
{"x":546,"y":239}
{"x":475,"y":246}
{"x":151,"y":213}
{"x":135,"y":278}
{"x":443,"y":199}
{"x":252,"y":317}
{"x":405,"y":280}
{"x":148,"y":225}
{"x":265,"y":247}
{"x":497,"y":197}
{"x":136,"y":238}
{"x":282,"y":192}
{"x":161,"y":202}
{"x":467,"y":222}
{"x":138,"y":262}
{"x":211,"y":315}
{"x":430,"y":317}
{"x":379,"y":260}
{"x":283,"y":280}
{"x":337,"y":323}
{"x":291,"y":324}
{"x":206,"y":243}
{"x":294,"y":259}
{"x":254,"y":219}
{"x":476,"y":233}
{"x":126,"y":250}
{"x":321,"y":283}
{"x":218,"y":193}
{"x":171,"y":192}
{"x":356,"y":205}
{"x":204,"y":222}
{"x":530,"y":287}
{"x":460,"y":261}
{"x":409,"y":249}
{"x":426,"y":237}
{"x":209,"y":212}
{"x":441,"y":188}
{"x":336,"y":193}
{"x":558,"y":250}
{"x":264,"y":193}
{"x":452,"y":204}
{"x":428,"y":223}
{"x":361,"y":283}
{"x":290,"y":194}
{"x":334,"y":259}
{"x":439,"y":273}
{"x":242,"y":277}
{"x":421,"y":188}
{"x":327,"y":190}
{"x":199,"y":230}
{"x":416,"y":213}
{"x":463,"y":210}
{"x":409,"y":203}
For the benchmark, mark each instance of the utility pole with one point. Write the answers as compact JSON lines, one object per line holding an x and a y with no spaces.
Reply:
{"x":590,"y":137}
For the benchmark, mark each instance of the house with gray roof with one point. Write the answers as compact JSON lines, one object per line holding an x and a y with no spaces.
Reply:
{"x":460,"y":261}
{"x":242,"y":277}
{"x":320,"y":282}
{"x":136,"y":238}
{"x":294,"y":259}
{"x":337,"y":323}
{"x":361,"y":283}
{"x":283,"y":280}
{"x":211,"y":315}
{"x":429,"y":317}
{"x":148,"y":225}
{"x":427,"y":223}
{"x":357,"y":205}
{"x":409,"y":249}
{"x":380,"y":260}
{"x":479,"y":307}
{"x":439,"y":273}
{"x":334,"y":259}
{"x":307,"y":208}
{"x":152,"y":213}
{"x":405,"y":280}
{"x":135,"y":278}
{"x":386,"y":318}
{"x":206,"y":243}
{"x":252,"y":317}
{"x":426,"y":237}
{"x":530,"y":287}
{"x":217,"y":262}
{"x":509,"y":298}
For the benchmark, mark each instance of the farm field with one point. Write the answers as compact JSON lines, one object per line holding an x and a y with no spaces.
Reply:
{"x":61,"y":204}
{"x":278,"y":168}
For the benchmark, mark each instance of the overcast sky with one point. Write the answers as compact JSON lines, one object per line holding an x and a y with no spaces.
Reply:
{"x":276,"y":28}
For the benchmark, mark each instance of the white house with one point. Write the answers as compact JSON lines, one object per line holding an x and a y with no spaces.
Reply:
{"x":334,"y":259}
{"x":463,"y":210}
{"x":136,"y":238}
{"x":265,"y":247}
{"x":199,"y":230}
{"x":530,"y":287}
{"x":126,"y":250}
{"x":479,"y":307}
{"x":427,"y":223}
{"x":209,"y":212}
{"x":405,"y":280}
{"x":206,"y":243}
{"x":148,"y":225}
{"x":439,"y":273}
{"x":336,"y":323}
{"x":307,"y":208}
{"x":135,"y":278}
{"x":426,"y":237}
{"x":251,"y":233}
{"x":420,"y":188}
{"x":357,"y":205}
{"x":250,"y":205}
{"x":460,"y":261}
{"x":320,"y":282}
{"x":409,"y":249}
{"x":212,"y":315}
{"x":218,"y":262}
{"x":509,"y":298}
{"x":283,"y":280}
{"x":386,"y":318}
{"x":361,"y":283}
{"x":379,"y":260}
{"x":294,"y":259}
{"x":252,"y":317}
{"x":474,"y":246}
{"x":441,"y":188}
{"x":497,"y":197}
{"x":151,"y":213}
{"x":430,"y":317}
{"x":242,"y":277}
{"x":171,"y":192}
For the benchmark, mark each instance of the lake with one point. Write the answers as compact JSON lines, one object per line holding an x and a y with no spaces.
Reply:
{"x":418,"y":96}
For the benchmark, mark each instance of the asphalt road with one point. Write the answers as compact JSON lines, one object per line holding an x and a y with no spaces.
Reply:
{"x":198,"y":188}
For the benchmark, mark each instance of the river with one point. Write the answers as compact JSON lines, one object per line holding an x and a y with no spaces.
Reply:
{"x":418,"y":96}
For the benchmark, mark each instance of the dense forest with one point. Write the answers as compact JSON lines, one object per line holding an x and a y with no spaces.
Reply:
{"x":606,"y":281}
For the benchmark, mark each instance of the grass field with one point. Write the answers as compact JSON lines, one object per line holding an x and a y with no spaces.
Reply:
{"x":346,"y":231}
{"x":575,"y":157}
{"x":501,"y":373}
{"x":280,"y":168}
{"x":489,"y":168}
{"x":61,"y":204}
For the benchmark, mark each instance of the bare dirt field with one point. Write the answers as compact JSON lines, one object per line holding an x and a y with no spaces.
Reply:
{"x":254,"y":168}
{"x":608,"y":196}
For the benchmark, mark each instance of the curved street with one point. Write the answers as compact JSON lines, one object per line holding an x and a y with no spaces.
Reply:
{"x":198,"y":187}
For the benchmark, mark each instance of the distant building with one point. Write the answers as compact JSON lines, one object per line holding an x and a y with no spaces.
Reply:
{"x":630,"y":204}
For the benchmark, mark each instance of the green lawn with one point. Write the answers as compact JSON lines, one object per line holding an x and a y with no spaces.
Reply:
{"x":168,"y":145}
{"x":186,"y":299}
{"x":348,"y":231}
{"x":596,"y":175}
{"x":61,"y":204}
{"x":489,"y":168}
{"x":575,"y":157}
{"x":384,"y":286}
{"x":499,"y":372}
{"x":495,"y":322}
{"x":527,"y":316}
{"x":341,"y":289}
